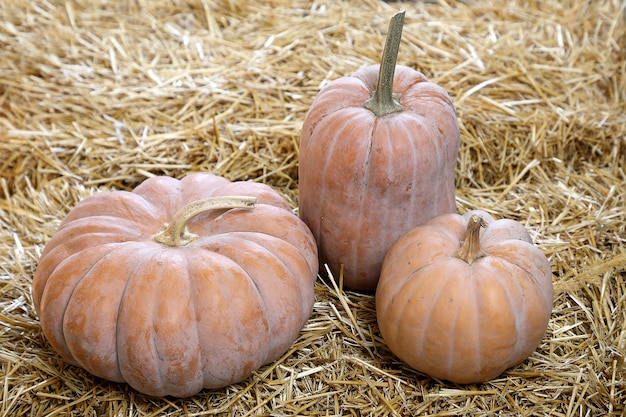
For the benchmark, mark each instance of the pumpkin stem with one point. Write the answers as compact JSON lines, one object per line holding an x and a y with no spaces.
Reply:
{"x":470,"y":250}
{"x":383,"y":101}
{"x":175,"y":232}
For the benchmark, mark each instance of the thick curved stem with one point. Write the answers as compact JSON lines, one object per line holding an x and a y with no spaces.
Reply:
{"x":175,"y":233}
{"x":382,"y":101}
{"x":470,"y":250}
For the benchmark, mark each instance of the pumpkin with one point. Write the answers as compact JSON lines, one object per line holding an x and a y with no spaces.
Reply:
{"x":377,"y":158}
{"x":178,"y":285}
{"x":463,"y":298}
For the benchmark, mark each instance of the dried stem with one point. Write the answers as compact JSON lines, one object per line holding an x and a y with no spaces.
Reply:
{"x":383,"y":101}
{"x":470,"y":250}
{"x":175,"y":233}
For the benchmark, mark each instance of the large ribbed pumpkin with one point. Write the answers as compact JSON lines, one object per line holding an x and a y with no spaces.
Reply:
{"x":178,"y":285}
{"x":377,"y":158}
{"x":463,"y":298}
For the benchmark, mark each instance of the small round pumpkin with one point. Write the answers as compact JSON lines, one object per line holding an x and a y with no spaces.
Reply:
{"x":377,"y":157}
{"x":463,"y":298}
{"x":178,"y":285}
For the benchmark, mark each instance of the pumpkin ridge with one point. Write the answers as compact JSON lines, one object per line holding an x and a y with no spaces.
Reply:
{"x":158,"y":385}
{"x":117,"y":204}
{"x":534,"y":288}
{"x":394,"y":337}
{"x":335,"y":139}
{"x":194,"y":329}
{"x":109,"y":233}
{"x":139,"y":256}
{"x":413,"y":159}
{"x":102,"y":259}
{"x":212,"y":379}
{"x":344,"y":87}
{"x":501,"y":254}
{"x":430,"y":334}
{"x":207,"y":371}
{"x":322,"y":173}
{"x":477,"y":325}
{"x":246,"y":273}
{"x":109,"y":224}
{"x":61,"y":248}
{"x":427,"y":318}
{"x":118,"y":325}
{"x":431,"y":94}
{"x":296,"y":285}
{"x":156,"y":338}
{"x":245,"y":235}
{"x":363,"y":192}
{"x":231,"y":222}
{"x":194,"y":300}
{"x":52,"y":253}
{"x":536,"y":252}
{"x":43,"y":299}
{"x":520,"y":324}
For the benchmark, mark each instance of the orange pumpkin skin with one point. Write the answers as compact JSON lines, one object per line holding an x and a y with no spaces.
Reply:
{"x":365,"y":180}
{"x":466,"y":323}
{"x":174,"y":320}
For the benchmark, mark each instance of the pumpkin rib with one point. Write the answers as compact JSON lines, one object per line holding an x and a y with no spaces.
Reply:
{"x":192,"y":333}
{"x":163,"y":194}
{"x":263,"y":224}
{"x":265,"y":196}
{"x":103,"y":229}
{"x":208,"y":290}
{"x":412,"y":163}
{"x":527,"y":292}
{"x":433,"y":150}
{"x":447,"y":289}
{"x":334,"y":139}
{"x":452,"y":353}
{"x":402,"y":249}
{"x":261,"y":297}
{"x":520,"y":324}
{"x":240,"y":259}
{"x":503,"y":251}
{"x":66,"y":245}
{"x":252,"y":236}
{"x":363,"y":191}
{"x":147,"y":355}
{"x":477,"y":298}
{"x":353,"y":92}
{"x":202,"y":185}
{"x":119,"y":204}
{"x":85,"y":357}
{"x":429,"y":96}
{"x":54,"y":331}
{"x":322,"y":173}
{"x":414,"y":280}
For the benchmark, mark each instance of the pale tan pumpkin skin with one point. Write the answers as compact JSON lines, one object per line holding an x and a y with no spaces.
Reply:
{"x":175,"y":320}
{"x":365,"y":180}
{"x":460,"y":322}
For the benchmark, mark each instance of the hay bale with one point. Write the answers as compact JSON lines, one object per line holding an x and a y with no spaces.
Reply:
{"x":99,"y":95}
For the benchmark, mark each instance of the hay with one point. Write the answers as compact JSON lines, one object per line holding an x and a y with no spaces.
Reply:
{"x":100,"y":95}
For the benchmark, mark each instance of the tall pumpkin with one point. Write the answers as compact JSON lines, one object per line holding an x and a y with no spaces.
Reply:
{"x":377,"y":158}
